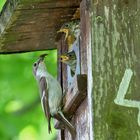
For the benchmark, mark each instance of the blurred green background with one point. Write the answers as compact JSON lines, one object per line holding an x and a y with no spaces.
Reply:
{"x":21,"y":116}
{"x":2,"y":2}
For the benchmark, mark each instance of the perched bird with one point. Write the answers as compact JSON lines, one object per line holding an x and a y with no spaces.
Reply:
{"x":70,"y":59}
{"x":51,"y":95}
{"x":71,"y":30}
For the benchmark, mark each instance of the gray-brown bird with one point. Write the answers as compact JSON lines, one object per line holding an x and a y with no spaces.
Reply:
{"x":51,"y":95}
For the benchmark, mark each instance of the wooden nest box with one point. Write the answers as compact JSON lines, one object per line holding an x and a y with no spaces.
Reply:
{"x":32,"y":26}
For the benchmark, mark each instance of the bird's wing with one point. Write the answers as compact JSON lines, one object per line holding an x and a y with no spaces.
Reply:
{"x":45,"y":101}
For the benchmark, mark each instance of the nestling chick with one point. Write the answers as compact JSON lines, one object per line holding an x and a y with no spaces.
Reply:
{"x":51,"y":95}
{"x":70,"y":59}
{"x":71,"y":30}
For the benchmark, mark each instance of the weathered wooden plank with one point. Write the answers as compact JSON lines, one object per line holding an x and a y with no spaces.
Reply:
{"x":77,"y":94}
{"x":115,"y":51}
{"x":6,"y":13}
{"x":34,"y":25}
{"x":80,"y":119}
{"x":74,"y":100}
{"x":43,"y":4}
{"x":61,"y":47}
{"x":80,"y":122}
{"x":85,"y":27}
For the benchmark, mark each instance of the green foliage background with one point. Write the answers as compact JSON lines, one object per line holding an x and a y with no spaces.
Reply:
{"x":20,"y":119}
{"x":21,"y":116}
{"x":2,"y":2}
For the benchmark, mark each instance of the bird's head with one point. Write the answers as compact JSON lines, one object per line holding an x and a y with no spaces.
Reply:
{"x":66,"y":25}
{"x":69,"y":28}
{"x":65,"y":29}
{"x":68,"y":58}
{"x":72,"y":25}
{"x":39,"y":64}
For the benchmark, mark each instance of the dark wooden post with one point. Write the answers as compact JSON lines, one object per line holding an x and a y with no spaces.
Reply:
{"x":76,"y":99}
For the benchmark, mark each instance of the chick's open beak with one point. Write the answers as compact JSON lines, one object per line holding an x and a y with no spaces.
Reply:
{"x":64,"y":30}
{"x":64,"y":58}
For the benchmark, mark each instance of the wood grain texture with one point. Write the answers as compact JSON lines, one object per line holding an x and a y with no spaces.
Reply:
{"x":115,"y":48}
{"x":74,"y":97}
{"x":81,"y":118}
{"x":34,"y":24}
{"x":76,"y":94}
{"x":80,"y":121}
{"x":62,"y":70}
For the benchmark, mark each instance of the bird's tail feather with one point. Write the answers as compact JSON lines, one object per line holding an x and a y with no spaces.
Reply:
{"x":67,"y":124}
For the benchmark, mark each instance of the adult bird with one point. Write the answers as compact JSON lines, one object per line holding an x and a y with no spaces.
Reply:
{"x":51,"y":95}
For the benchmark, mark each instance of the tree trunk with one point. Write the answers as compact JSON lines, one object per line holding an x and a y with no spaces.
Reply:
{"x":115,"y":69}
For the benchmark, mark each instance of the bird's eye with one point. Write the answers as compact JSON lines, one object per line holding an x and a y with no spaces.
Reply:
{"x":35,"y":64}
{"x":70,"y":55}
{"x":66,"y":25}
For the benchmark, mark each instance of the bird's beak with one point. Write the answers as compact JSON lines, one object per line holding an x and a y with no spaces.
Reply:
{"x":42,"y":56}
{"x":64,"y":58}
{"x":64,"y":30}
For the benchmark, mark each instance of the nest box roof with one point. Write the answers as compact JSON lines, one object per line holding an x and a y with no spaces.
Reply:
{"x":31,"y":25}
